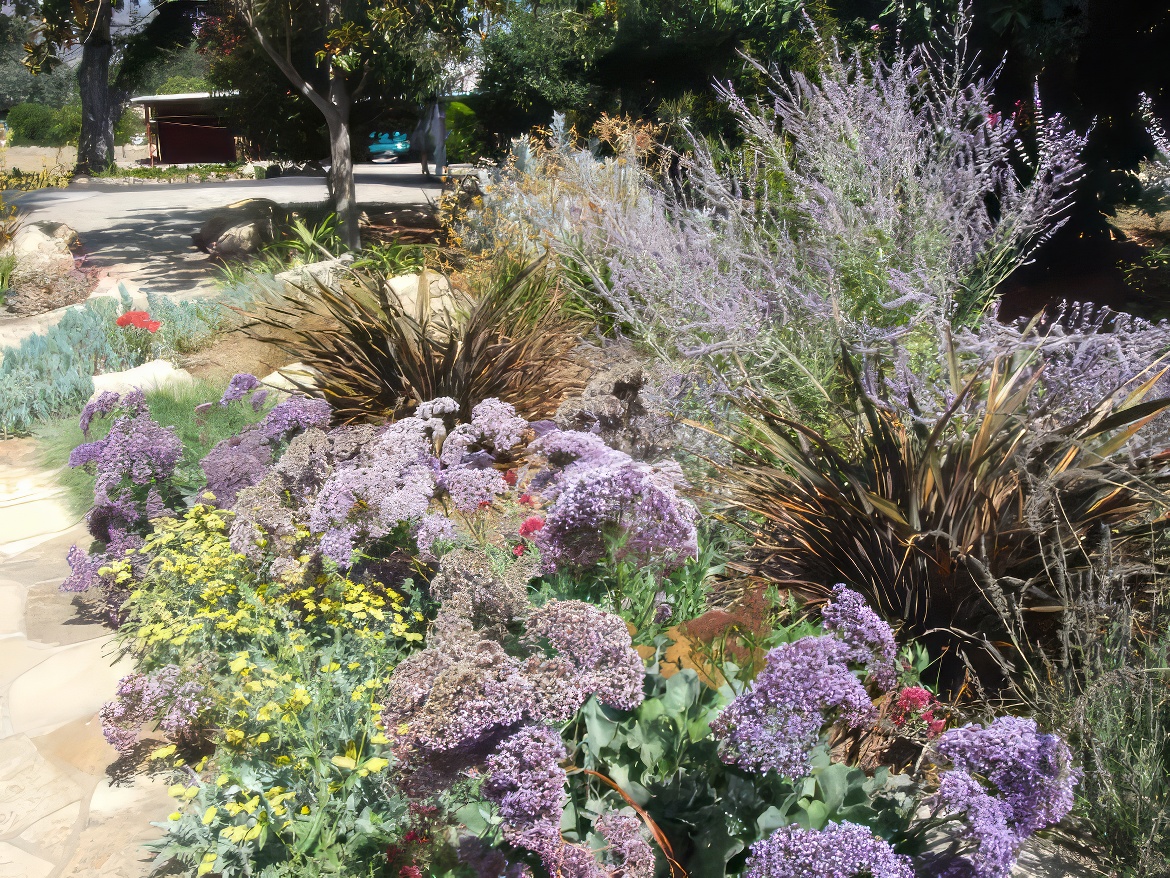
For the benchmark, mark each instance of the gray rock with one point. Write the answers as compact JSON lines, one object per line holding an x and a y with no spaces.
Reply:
{"x":239,"y":229}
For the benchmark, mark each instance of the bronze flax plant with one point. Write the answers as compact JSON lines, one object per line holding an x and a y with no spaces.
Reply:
{"x":934,"y":522}
{"x":377,"y":358}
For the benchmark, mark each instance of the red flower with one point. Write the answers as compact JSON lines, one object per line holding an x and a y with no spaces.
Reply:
{"x":526,"y":500}
{"x":139,"y":320}
{"x":531,"y":525}
{"x":518,"y":549}
{"x":410,"y":872}
{"x":510,"y":478}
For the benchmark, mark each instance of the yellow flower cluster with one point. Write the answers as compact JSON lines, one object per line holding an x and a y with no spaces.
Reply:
{"x":196,"y":586}
{"x":352,"y":606}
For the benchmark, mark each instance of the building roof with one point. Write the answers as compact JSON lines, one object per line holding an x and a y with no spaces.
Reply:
{"x":188,"y":96}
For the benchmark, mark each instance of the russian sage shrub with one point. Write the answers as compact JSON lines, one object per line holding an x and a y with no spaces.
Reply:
{"x":871,"y":202}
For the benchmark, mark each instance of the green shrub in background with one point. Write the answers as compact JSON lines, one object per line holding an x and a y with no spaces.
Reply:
{"x":182,"y":84}
{"x":39,"y":125}
{"x":465,"y":137}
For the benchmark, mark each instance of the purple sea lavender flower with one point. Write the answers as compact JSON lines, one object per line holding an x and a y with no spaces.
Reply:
{"x":433,"y":528}
{"x":83,"y":568}
{"x":136,"y":456}
{"x":293,"y":415}
{"x":457,"y":696}
{"x":240,"y":384}
{"x":257,"y":399}
{"x":648,"y":519}
{"x":105,"y":403}
{"x":599,"y":646}
{"x":840,"y":850}
{"x":471,"y":486}
{"x":236,"y":463}
{"x":1030,"y":771}
{"x":498,"y":424}
{"x":628,"y":850}
{"x":804,"y":685}
{"x":872,"y":640}
{"x":525,"y":778}
{"x":169,"y":697}
{"x":368,"y":502}
{"x":988,"y":819}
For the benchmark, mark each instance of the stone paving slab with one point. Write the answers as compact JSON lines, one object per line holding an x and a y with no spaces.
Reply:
{"x":31,"y":787}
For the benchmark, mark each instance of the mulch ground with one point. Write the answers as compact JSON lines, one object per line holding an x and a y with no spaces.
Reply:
{"x":44,"y":289}
{"x":405,"y":225}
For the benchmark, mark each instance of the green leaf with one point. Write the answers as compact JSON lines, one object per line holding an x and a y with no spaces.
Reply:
{"x":833,"y":786}
{"x":600,"y":728}
{"x":682,"y":690}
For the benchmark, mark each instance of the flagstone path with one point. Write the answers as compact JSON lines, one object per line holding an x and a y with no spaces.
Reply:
{"x":61,"y":815}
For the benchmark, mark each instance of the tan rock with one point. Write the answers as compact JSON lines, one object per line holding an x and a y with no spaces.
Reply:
{"x":119,"y":821}
{"x":74,"y":682}
{"x":50,"y":834}
{"x":81,"y":744}
{"x":149,"y":376}
{"x":442,"y":302}
{"x":291,"y":378}
{"x":327,"y":273}
{"x":11,"y":608}
{"x":17,"y":655}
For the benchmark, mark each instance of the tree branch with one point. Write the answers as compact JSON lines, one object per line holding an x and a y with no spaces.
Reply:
{"x":286,"y":67}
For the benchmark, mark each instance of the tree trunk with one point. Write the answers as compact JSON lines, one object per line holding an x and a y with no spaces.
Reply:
{"x":341,"y":185}
{"x":95,"y":146}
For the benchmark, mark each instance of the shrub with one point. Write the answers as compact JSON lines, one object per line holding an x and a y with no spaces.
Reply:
{"x":845,"y":216}
{"x":38,"y":125}
{"x":379,"y":358}
{"x":943,"y":524}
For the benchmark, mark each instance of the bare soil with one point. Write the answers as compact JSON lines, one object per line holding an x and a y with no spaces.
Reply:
{"x":232,"y":353}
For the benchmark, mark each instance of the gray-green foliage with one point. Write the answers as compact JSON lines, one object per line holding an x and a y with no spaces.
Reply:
{"x":663,"y":756}
{"x":50,"y":374}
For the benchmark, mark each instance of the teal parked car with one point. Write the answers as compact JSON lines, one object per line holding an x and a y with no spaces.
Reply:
{"x":395,"y":144}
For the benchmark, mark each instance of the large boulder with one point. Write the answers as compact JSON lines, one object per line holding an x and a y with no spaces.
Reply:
{"x":619,"y":404}
{"x":154,"y":375}
{"x":327,"y":273}
{"x":44,"y":244}
{"x":240,"y":229}
{"x":428,"y":295}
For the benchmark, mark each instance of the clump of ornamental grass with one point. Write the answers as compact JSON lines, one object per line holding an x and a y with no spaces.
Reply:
{"x":938,"y":521}
{"x":378,"y":358}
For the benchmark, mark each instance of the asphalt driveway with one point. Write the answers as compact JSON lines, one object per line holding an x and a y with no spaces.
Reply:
{"x":142,"y":231}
